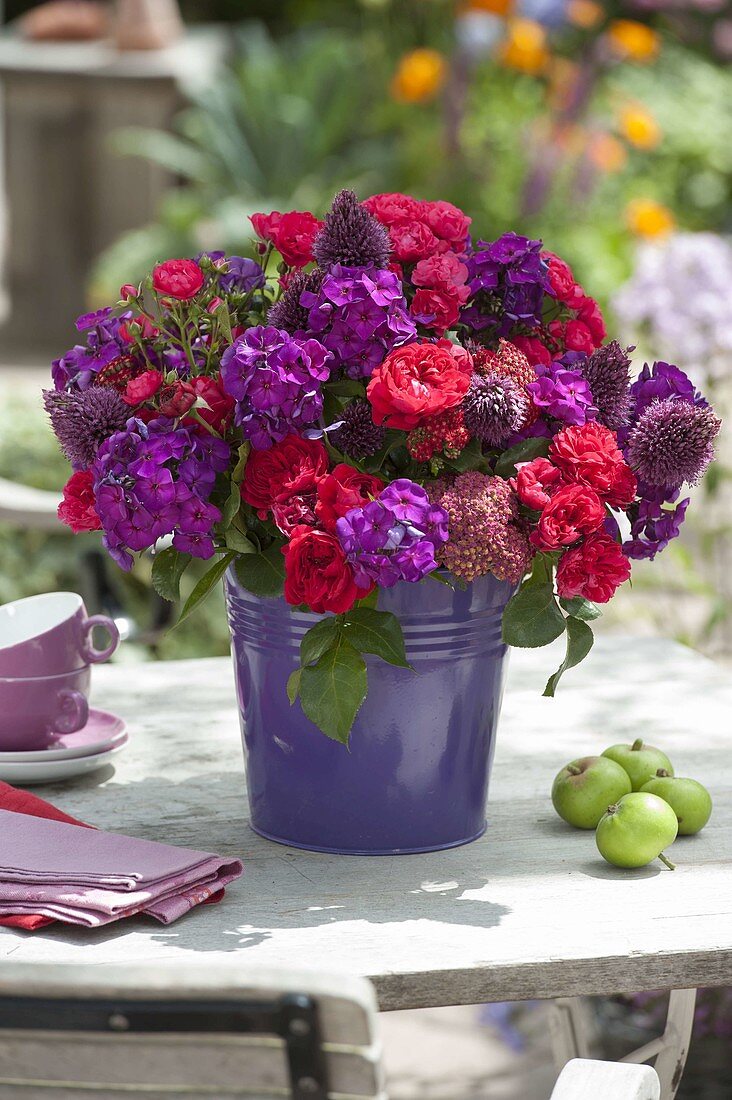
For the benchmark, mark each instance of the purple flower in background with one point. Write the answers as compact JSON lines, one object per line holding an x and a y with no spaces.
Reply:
{"x":394,"y":537}
{"x":276,"y":381}
{"x":672,"y":442}
{"x":359,"y":314}
{"x":241,"y":275}
{"x":155,"y":479}
{"x":563,"y":394}
{"x":82,"y":419}
{"x":653,"y":527}
{"x":508,"y":280}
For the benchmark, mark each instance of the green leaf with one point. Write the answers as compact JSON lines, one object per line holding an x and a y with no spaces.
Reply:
{"x":532,"y":617}
{"x":293,"y":685}
{"x":168,"y":568}
{"x":206,"y":585}
{"x":470,"y":458}
{"x":580,"y":608}
{"x":579,"y":644}
{"x":222,"y":316}
{"x":347,"y":387}
{"x":231,"y":507}
{"x":238,"y":472}
{"x":333,"y":689}
{"x":521,"y":452}
{"x":263,"y":573}
{"x":378,"y":632}
{"x":319,"y":638}
{"x":235,"y":540}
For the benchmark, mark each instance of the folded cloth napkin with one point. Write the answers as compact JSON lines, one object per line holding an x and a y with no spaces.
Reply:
{"x":84,"y":876}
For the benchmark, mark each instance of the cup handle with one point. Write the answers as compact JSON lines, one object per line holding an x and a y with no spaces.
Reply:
{"x":73,"y":713}
{"x":94,"y":656}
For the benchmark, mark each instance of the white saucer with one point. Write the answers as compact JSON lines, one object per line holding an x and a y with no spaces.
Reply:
{"x":103,"y":731}
{"x":29,"y":773}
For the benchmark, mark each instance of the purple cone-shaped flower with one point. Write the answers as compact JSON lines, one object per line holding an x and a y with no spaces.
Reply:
{"x":494,"y":407}
{"x":672,"y":442}
{"x":351,"y":236}
{"x":608,"y":374}
{"x":357,"y":435}
{"x":288,"y":313}
{"x":82,"y":419}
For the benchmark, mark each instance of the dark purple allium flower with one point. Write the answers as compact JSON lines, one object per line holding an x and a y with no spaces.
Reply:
{"x":288,"y":313}
{"x":672,"y":442}
{"x":155,"y":479}
{"x":82,"y":419}
{"x":563,"y":394}
{"x":359,"y":314}
{"x":241,"y":275}
{"x":351,"y":236}
{"x":608,"y":374}
{"x":660,"y":381}
{"x":394,"y":537}
{"x":276,"y":382}
{"x":494,"y":407}
{"x":653,"y":527}
{"x":508,"y":280}
{"x":357,"y":435}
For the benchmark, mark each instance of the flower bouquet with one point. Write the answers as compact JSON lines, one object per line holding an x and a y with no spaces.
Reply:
{"x":377,"y":401}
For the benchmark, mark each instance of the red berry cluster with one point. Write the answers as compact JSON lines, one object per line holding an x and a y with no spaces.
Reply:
{"x":443,"y":434}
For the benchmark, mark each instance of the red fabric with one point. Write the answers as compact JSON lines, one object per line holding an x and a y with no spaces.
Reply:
{"x":22,"y":802}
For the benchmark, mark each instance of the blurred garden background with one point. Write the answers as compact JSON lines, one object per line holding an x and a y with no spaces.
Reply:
{"x":605,"y":128}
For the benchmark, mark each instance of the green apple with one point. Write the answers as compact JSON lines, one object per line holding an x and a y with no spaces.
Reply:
{"x":636,"y":830}
{"x":584,"y":789}
{"x":691,"y":802}
{"x":640,"y":761}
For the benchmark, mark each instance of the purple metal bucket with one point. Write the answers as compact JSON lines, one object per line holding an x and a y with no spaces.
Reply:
{"x":416,"y":776}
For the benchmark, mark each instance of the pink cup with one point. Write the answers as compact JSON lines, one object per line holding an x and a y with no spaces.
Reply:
{"x":35,"y":708}
{"x":51,"y":634}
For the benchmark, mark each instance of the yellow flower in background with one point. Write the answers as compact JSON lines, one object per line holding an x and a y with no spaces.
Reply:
{"x":584,"y":13}
{"x":419,"y":76}
{"x":494,"y":7}
{"x":638,"y":126}
{"x":607,"y":153}
{"x":525,"y":47}
{"x":633,"y":40}
{"x":648,"y":218}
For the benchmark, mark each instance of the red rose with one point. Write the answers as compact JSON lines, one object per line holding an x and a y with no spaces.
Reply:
{"x":77,"y":509}
{"x":439,"y":309}
{"x":577,"y":337}
{"x":181,"y":279}
{"x":296,"y":511}
{"x":589,"y":455}
{"x":461,"y":355}
{"x":292,"y":234}
{"x":447,"y":222}
{"x":574,"y":510}
{"x":177,"y":398}
{"x":595,"y":569}
{"x":145,"y":325}
{"x":533,"y":349}
{"x":561,"y":279}
{"x":412,"y":241}
{"x":342,"y":489}
{"x":287,"y":469}
{"x":441,"y":270}
{"x":141,"y":389}
{"x":318,"y":574}
{"x":590,"y":315}
{"x":394,"y":207}
{"x":414,"y":382}
{"x":218,"y":407}
{"x":535,"y":482}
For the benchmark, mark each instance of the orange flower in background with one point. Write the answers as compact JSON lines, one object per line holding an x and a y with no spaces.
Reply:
{"x":638,"y":126}
{"x":648,"y":218}
{"x":607,"y":153}
{"x":584,"y":13}
{"x":633,"y":40}
{"x":419,"y":76}
{"x":562,"y":75}
{"x":493,"y":7}
{"x":525,"y":47}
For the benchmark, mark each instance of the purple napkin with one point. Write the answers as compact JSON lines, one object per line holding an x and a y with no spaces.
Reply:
{"x":88,"y":877}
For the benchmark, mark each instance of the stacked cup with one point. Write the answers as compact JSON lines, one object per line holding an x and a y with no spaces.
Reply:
{"x":46,"y":653}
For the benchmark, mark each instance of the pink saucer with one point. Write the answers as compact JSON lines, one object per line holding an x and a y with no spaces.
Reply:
{"x":103,"y":731}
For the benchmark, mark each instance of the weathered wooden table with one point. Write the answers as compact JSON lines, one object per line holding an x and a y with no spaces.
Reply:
{"x":528,"y":911}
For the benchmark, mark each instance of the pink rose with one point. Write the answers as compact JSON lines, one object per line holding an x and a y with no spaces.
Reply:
{"x":439,"y":309}
{"x":181,"y":279}
{"x":77,"y":510}
{"x":577,"y":337}
{"x":594,"y":570}
{"x":573,"y":511}
{"x":440,"y":270}
{"x":447,"y":222}
{"x":394,"y":207}
{"x":412,"y":241}
{"x":535,"y":481}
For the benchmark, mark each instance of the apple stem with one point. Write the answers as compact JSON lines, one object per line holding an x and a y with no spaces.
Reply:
{"x":612,"y":809}
{"x":573,"y":769}
{"x":637,"y":745}
{"x":671,"y":866}
{"x":663,"y":774}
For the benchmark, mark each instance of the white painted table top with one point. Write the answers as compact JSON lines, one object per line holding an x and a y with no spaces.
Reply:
{"x":530,"y":910}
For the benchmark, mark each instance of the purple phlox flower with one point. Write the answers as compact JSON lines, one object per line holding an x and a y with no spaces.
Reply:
{"x":394,"y":537}
{"x":91,"y":320}
{"x":563,"y":394}
{"x":653,"y":527}
{"x":359,"y":314}
{"x":607,"y":372}
{"x":672,"y":442}
{"x":288,"y":313}
{"x":241,"y":275}
{"x":357,"y":435}
{"x":510,"y":279}
{"x":276,"y":380}
{"x":77,"y":367}
{"x":494,"y":407}
{"x":154,"y":480}
{"x":660,"y":381}
{"x":82,"y":419}
{"x":538,"y":429}
{"x":351,"y":236}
